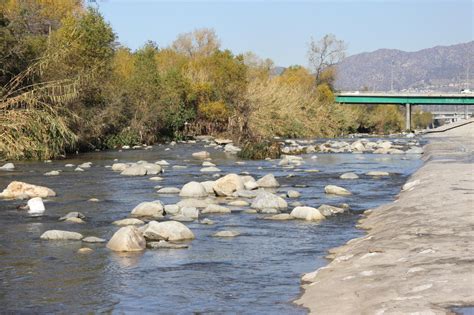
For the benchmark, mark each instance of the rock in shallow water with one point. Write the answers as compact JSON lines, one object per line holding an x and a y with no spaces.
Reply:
{"x":307,"y":213}
{"x":21,"y":190}
{"x":336,"y":190}
{"x":128,"y":221}
{"x":280,"y":217}
{"x":268,"y":181}
{"x":193,"y":190}
{"x":7,"y":167}
{"x":377,"y":173}
{"x":349,"y":176}
{"x":127,"y":239}
{"x":168,"y":231}
{"x":165,"y":245}
{"x":36,"y":206}
{"x":93,"y":239}
{"x":226,"y":234}
{"x":216,"y":209}
{"x":61,"y":235}
{"x":227,"y":185}
{"x":268,"y":200}
{"x":149,"y":209}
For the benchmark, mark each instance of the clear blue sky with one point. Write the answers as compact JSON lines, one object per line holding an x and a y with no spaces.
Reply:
{"x":280,"y":30}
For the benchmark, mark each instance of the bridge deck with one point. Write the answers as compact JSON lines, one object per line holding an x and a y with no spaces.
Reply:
{"x":406,"y":98}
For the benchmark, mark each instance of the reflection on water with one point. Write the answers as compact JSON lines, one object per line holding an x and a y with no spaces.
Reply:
{"x":257,"y":272}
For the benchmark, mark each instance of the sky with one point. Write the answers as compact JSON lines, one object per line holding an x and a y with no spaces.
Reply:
{"x":281,"y":30}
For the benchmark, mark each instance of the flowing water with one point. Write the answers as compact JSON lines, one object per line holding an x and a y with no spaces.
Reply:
{"x":256,"y":272}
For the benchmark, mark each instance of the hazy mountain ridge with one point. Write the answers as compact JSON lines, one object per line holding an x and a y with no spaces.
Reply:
{"x":440,"y":68}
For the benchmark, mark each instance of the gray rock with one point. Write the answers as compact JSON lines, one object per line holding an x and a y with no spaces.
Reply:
{"x":52,"y":173}
{"x":135,"y":170}
{"x":169,"y":190}
{"x":193,"y":190}
{"x":280,"y":217}
{"x":349,"y":176}
{"x":127,"y":239}
{"x":227,"y":185}
{"x":149,"y":209}
{"x":268,"y":181}
{"x":211,"y":169}
{"x":165,"y":245}
{"x":328,"y":210}
{"x":22,"y":190}
{"x":377,"y":173}
{"x":7,"y":167}
{"x":336,"y":190}
{"x":61,"y":235}
{"x":128,"y":221}
{"x":293,"y":194}
{"x":168,"y":231}
{"x":93,"y":239}
{"x":268,"y":200}
{"x":73,"y":214}
{"x":307,"y":213}
{"x":190,"y":212}
{"x":172,"y":209}
{"x":226,"y":234}
{"x":215,"y":209}
{"x":414,"y":150}
{"x":207,"y":221}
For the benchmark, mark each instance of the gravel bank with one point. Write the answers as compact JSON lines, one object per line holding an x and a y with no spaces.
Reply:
{"x":418,"y":254}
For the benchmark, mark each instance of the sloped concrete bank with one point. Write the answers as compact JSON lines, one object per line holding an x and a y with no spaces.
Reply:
{"x":418,"y":254}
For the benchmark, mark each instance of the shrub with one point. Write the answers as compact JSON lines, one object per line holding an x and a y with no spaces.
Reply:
{"x":259,"y":150}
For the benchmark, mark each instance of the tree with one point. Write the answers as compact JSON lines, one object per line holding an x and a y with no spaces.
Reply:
{"x":324,"y":54}
{"x":200,"y":42}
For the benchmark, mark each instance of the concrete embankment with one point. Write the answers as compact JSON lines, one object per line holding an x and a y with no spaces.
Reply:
{"x":418,"y":254}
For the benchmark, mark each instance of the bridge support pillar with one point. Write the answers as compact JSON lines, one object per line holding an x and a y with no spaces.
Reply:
{"x":407,"y":117}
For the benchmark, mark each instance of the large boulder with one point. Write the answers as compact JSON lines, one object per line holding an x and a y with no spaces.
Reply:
{"x":307,"y":213}
{"x":135,"y":170}
{"x":152,"y":169}
{"x":168,"y":231}
{"x":208,"y":186}
{"x":268,"y":181}
{"x":59,"y":235}
{"x":266,"y":200}
{"x":193,"y":190}
{"x":336,"y":190}
{"x":149,"y":209}
{"x":127,"y":239}
{"x":21,"y":190}
{"x":225,"y":186}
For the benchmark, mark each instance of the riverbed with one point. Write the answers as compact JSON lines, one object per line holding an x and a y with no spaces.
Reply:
{"x":256,"y":272}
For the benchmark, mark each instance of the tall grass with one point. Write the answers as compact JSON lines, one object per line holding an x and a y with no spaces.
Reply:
{"x":33,"y":120}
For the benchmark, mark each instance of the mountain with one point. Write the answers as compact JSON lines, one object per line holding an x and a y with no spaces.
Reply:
{"x":441,"y":68}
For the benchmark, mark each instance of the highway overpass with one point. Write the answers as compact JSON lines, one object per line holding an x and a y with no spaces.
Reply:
{"x":406,"y":99}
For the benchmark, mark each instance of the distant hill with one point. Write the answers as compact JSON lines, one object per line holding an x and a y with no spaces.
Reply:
{"x":441,"y":68}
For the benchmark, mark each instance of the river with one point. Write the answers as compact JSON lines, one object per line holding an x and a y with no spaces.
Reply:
{"x":256,"y":272}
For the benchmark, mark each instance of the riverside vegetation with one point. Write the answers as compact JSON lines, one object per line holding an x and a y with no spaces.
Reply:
{"x":66,"y":85}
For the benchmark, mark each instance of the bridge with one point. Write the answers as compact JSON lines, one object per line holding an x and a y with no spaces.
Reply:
{"x":407,"y":100}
